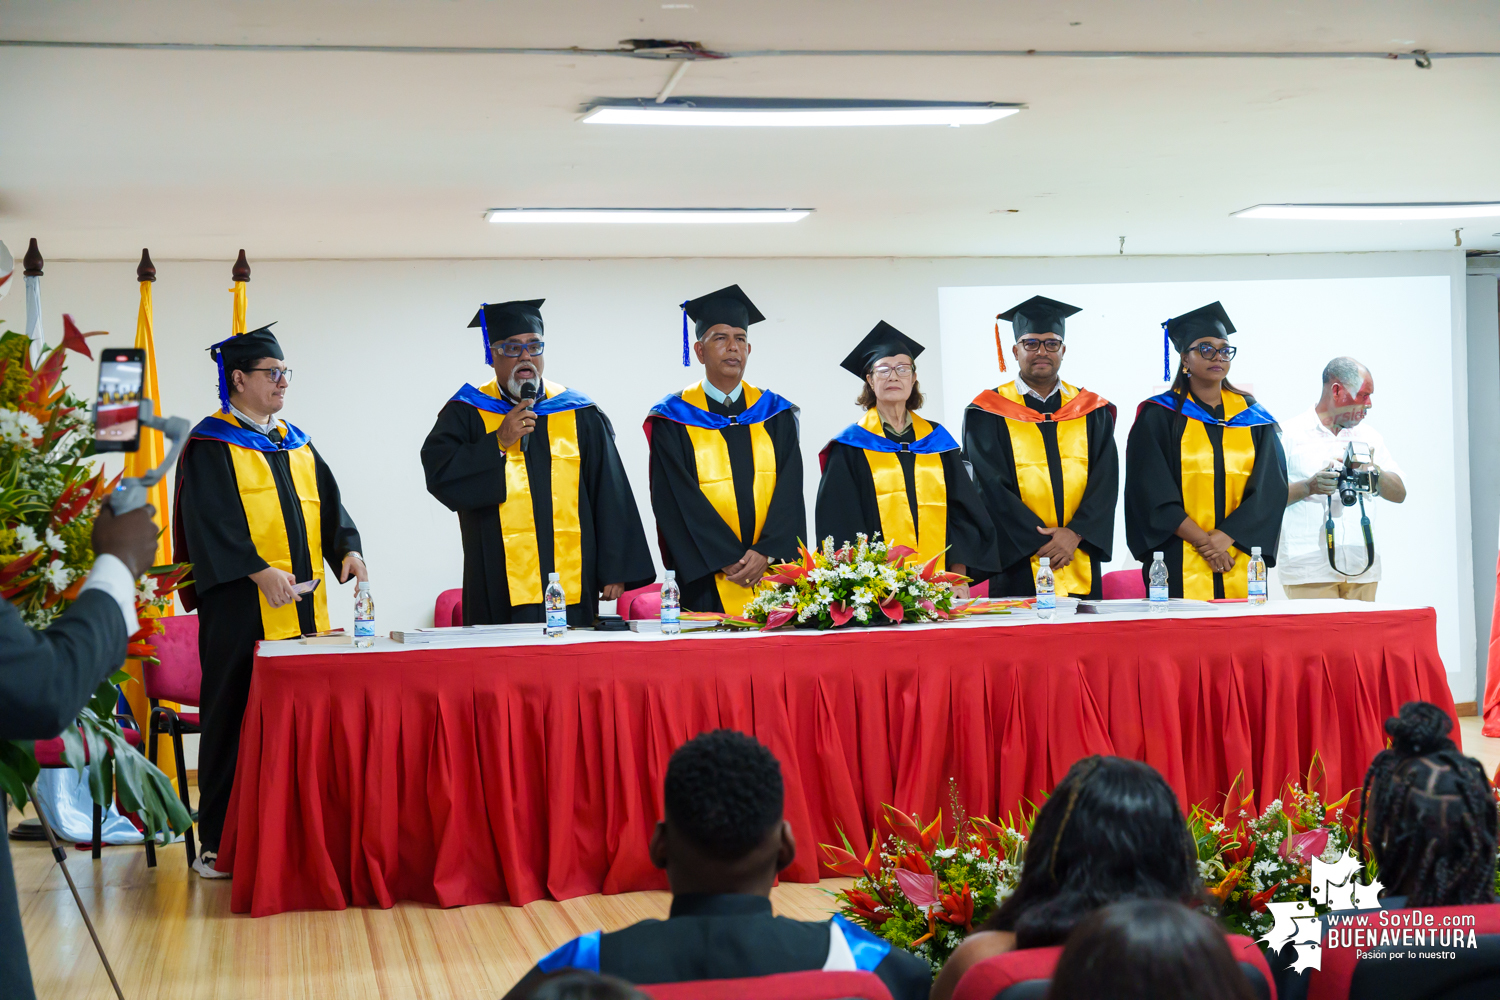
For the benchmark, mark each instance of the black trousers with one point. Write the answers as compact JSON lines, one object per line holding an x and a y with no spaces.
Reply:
{"x":229,"y":626}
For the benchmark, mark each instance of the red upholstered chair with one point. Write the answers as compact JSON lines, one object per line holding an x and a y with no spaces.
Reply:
{"x":49,"y":753}
{"x":980,"y":589}
{"x":449,"y":609}
{"x":815,"y":985}
{"x":645,"y":604}
{"x":1027,"y":974}
{"x":1472,"y":974}
{"x":1124,"y":584}
{"x":179,"y":678}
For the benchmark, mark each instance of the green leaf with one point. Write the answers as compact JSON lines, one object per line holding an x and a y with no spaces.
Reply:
{"x":18,"y":769}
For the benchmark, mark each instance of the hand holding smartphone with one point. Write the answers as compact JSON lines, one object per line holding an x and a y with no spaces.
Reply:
{"x":117,"y":406}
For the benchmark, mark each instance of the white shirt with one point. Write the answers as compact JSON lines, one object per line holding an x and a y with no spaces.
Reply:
{"x":265,"y":429}
{"x":111,"y":576}
{"x":1303,"y":553}
{"x":722,"y":398}
{"x":1026,"y":390}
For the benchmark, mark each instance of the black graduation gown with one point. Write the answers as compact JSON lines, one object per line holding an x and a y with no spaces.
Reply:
{"x":729,"y":936}
{"x":210,"y":531}
{"x":695,"y":541}
{"x":466,"y":473}
{"x":847,"y":506}
{"x":1153,"y":491}
{"x":45,"y":680}
{"x":987,"y":448}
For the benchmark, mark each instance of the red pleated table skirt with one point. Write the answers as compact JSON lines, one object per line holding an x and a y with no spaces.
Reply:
{"x":523,"y":772}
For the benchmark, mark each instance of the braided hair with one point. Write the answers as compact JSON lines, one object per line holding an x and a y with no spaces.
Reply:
{"x":1429,"y":813}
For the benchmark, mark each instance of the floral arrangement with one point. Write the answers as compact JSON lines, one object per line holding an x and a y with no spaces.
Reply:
{"x":923,"y":891}
{"x":866,"y":583}
{"x":49,"y":496}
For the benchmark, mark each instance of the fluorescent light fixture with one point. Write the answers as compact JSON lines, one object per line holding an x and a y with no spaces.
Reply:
{"x":1410,"y":212}
{"x":719,"y":112}
{"x":644,"y":216}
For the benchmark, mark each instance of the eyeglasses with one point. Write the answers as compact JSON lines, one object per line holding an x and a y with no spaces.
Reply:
{"x":1031,"y":345}
{"x":893,"y":371}
{"x":277,"y":375}
{"x":512,"y":349}
{"x":1207,"y":352}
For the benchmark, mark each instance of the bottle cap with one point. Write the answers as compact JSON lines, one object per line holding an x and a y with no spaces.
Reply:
{"x":671,"y":575}
{"x":1255,"y":550}
{"x":362,"y":586}
{"x":553,"y":577}
{"x":1158,"y":557}
{"x":1046,"y":561}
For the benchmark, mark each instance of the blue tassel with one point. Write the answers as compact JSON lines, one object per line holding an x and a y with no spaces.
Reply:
{"x":223,"y":382}
{"x":484,"y":331}
{"x":1166,"y":363}
{"x":683,"y":307}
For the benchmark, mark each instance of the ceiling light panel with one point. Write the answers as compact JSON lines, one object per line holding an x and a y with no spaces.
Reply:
{"x":710,"y":112}
{"x":1401,"y":212}
{"x":645,"y":216}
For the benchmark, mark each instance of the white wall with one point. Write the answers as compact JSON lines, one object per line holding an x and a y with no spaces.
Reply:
{"x":378,"y":346}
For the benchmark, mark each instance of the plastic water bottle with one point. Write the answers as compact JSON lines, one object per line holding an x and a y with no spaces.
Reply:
{"x":1046,"y":590}
{"x":556,"y":603}
{"x":1157,"y":592}
{"x":671,"y":602}
{"x":1257,"y":576}
{"x":364,"y":614}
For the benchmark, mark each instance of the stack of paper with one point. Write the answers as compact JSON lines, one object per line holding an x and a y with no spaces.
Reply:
{"x":1136,"y":606}
{"x":652,"y":626}
{"x":465,"y":633}
{"x":1066,"y":606}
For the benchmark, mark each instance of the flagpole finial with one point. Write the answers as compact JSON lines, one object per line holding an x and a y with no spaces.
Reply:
{"x":145,"y":270}
{"x":33,"y":260}
{"x":241,"y":269}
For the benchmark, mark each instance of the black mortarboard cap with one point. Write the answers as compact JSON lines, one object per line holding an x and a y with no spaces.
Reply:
{"x":1038,"y":314}
{"x":728,"y":305}
{"x":503,"y":320}
{"x":1206,"y":321}
{"x":241,"y":349}
{"x":884,"y":341}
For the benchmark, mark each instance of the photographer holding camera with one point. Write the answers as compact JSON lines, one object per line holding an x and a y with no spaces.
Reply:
{"x":1337,"y":467}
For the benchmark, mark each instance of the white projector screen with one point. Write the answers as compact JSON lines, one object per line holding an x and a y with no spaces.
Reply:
{"x":1400,"y":328}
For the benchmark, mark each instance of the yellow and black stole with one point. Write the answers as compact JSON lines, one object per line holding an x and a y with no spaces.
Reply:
{"x":258,"y":495}
{"x":929,"y":535}
{"x":1198,"y":483}
{"x":523,"y":570}
{"x":1034,"y":472}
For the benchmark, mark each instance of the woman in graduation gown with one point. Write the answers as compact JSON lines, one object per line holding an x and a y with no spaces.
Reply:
{"x":898,"y":475}
{"x":1205,"y":476}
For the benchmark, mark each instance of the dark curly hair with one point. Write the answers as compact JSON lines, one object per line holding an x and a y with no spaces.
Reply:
{"x":724,"y":793}
{"x":1428,"y":813}
{"x":1111,"y":830}
{"x":1145,"y":949}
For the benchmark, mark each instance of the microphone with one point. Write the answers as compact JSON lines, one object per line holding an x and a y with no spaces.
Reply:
{"x":528,"y":391}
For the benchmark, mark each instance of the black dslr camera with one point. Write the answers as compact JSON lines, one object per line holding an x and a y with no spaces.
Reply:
{"x":1353,"y":481}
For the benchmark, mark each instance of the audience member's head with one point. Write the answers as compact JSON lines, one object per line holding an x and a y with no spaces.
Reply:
{"x":1148,"y":949}
{"x":723,"y":831}
{"x":574,"y":984}
{"x":1110,"y":831}
{"x":1428,"y":814}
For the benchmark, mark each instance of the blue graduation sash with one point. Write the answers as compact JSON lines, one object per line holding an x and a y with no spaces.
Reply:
{"x":1253,"y":415}
{"x":228,"y":430}
{"x":679,"y":410}
{"x":935,"y":443}
{"x":568,"y":399}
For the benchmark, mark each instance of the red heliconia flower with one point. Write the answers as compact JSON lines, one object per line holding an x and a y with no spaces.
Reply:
{"x":913,"y":862}
{"x":16,"y":567}
{"x":958,"y":908}
{"x":906,"y":828}
{"x":846,"y":863}
{"x":929,"y":570}
{"x":74,"y":340}
{"x":865,"y":906}
{"x":1260,"y":899}
{"x":778,"y":618}
{"x":897,"y":553}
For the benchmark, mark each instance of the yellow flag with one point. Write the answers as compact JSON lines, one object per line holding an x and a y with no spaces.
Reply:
{"x":241,"y":300}
{"x":138,"y":463}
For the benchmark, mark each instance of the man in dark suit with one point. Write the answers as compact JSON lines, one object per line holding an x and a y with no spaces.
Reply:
{"x":47,"y":677}
{"x":721,"y":843}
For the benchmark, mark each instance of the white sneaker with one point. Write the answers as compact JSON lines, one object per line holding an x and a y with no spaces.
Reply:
{"x":203,"y":864}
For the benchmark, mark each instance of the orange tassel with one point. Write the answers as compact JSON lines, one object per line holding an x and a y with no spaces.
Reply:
{"x":999,"y":350}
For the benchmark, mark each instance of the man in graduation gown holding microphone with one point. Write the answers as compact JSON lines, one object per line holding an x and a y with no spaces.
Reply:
{"x":531,"y":469}
{"x":726,"y":466}
{"x":257,"y":514}
{"x":1044,"y":457}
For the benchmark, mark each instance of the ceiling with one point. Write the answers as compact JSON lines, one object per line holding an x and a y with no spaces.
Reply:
{"x":352,"y":155}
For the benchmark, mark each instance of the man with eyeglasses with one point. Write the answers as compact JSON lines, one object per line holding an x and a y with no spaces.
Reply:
{"x":1044,"y":457}
{"x":258,"y":512}
{"x":531,"y":469}
{"x":726,"y":465}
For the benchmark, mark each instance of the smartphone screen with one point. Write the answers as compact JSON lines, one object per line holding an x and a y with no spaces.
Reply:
{"x":117,"y":409}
